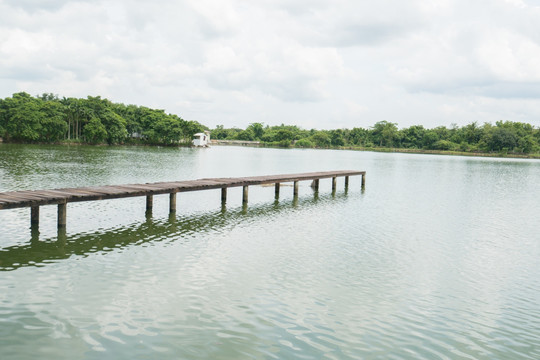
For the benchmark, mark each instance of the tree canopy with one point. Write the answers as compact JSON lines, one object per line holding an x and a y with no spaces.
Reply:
{"x":503,"y":137}
{"x":47,"y":118}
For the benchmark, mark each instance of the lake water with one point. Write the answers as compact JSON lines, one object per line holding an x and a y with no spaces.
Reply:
{"x":438,"y":258}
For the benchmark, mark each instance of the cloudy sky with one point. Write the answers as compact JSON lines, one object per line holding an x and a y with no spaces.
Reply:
{"x":314,"y":63}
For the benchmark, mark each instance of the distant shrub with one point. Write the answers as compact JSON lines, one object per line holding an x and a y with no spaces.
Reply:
{"x":303,"y":143}
{"x":445,"y":145}
{"x":464,"y":146}
{"x":284,"y":143}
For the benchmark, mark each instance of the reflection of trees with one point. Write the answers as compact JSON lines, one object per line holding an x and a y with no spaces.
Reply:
{"x":39,"y":252}
{"x":20,"y":163}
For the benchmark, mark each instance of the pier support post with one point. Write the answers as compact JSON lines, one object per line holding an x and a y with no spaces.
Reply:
{"x":34,"y":233}
{"x":172,"y":202}
{"x":149,"y":202}
{"x":334,"y":182}
{"x":277,"y":189}
{"x":61,"y":239}
{"x":62,"y":215}
{"x":295,"y":187}
{"x":223,"y":194}
{"x":245,"y":195}
{"x":34,"y":215}
{"x":346,"y":182}
{"x":363,"y":180}
{"x":316,"y":184}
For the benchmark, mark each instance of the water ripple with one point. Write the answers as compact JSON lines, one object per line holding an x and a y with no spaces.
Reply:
{"x":427,"y":263}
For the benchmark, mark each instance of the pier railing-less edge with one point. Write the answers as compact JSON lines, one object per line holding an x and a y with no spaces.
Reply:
{"x":61,"y":197}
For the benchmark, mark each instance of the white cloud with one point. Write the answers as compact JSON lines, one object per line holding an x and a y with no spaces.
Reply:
{"x":315,"y":63}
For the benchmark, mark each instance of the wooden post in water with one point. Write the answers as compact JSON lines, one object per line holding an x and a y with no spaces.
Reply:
{"x":277,"y":189}
{"x":334,"y":182}
{"x":172,"y":202}
{"x":316,"y":184}
{"x":245,"y":194}
{"x":363,"y":180}
{"x":34,"y":215}
{"x":62,"y":238}
{"x":295,"y":187}
{"x":346,"y":182}
{"x":62,"y":215}
{"x":34,"y":233}
{"x":223,"y":194}
{"x":149,"y":202}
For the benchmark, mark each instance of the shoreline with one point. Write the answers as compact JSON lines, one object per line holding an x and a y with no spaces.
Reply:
{"x":262,"y":145}
{"x":394,"y":150}
{"x":447,"y":152}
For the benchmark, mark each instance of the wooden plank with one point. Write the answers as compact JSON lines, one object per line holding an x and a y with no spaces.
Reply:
{"x":114,"y":189}
{"x":13,"y":198}
{"x":33,"y":198}
{"x":18,"y":196}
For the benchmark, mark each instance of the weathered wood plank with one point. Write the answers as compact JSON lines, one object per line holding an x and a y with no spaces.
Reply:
{"x":34,"y":198}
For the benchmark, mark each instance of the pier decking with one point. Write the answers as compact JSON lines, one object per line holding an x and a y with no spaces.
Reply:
{"x":36,"y":198}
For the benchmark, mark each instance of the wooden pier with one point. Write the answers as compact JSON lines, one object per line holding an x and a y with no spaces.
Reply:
{"x":61,"y":197}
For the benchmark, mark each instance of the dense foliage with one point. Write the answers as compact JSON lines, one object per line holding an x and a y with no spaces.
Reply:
{"x":47,"y":118}
{"x":503,"y":137}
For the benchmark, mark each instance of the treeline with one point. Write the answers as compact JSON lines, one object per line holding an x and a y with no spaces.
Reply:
{"x":47,"y":118}
{"x":503,"y":137}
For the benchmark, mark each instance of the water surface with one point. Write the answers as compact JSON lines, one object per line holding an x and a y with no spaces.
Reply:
{"x":439,"y":258}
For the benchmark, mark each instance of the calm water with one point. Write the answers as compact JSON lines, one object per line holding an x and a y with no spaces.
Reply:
{"x":439,"y":258}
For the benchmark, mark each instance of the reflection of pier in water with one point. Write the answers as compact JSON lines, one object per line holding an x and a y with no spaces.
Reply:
{"x":40,"y":252}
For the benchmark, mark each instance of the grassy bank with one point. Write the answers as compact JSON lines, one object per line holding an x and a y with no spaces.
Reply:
{"x":447,"y":152}
{"x":390,"y":150}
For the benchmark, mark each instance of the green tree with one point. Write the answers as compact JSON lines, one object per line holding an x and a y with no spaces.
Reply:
{"x":429,"y":139}
{"x":303,"y":143}
{"x":473,"y":133}
{"x":48,"y":97}
{"x":284,"y":134}
{"x":257,"y":130}
{"x":220,"y":133}
{"x":246,"y":135}
{"x":192,"y":127}
{"x":22,"y":117}
{"x":94,"y":131}
{"x":336,"y":137}
{"x":270,"y":135}
{"x":385,"y":133}
{"x":76,"y":114}
{"x":412,"y":137}
{"x":168,"y":130}
{"x":358,"y":136}
{"x":115,"y":126}
{"x":53,"y":125}
{"x":321,"y":139}
{"x":444,"y":145}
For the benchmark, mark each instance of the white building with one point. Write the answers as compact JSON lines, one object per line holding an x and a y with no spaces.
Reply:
{"x":201,"y":139}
